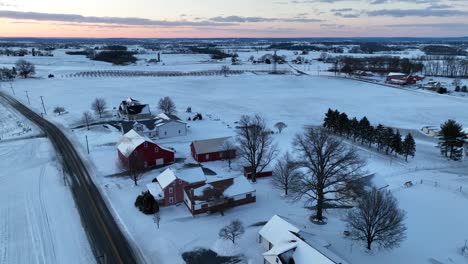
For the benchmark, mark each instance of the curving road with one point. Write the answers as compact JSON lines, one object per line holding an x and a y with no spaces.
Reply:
{"x":107,"y":241}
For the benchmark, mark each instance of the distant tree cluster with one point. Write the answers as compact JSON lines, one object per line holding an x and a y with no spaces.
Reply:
{"x":380,"y":64}
{"x":25,"y":68}
{"x":372,"y":47}
{"x":117,"y":57}
{"x":451,"y":140}
{"x":115,"y":47}
{"x":7,"y":74}
{"x":446,"y":66}
{"x":215,"y":54}
{"x":443,"y":50}
{"x":384,"y":138}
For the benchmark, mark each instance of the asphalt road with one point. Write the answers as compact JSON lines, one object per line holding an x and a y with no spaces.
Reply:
{"x":107,"y":241}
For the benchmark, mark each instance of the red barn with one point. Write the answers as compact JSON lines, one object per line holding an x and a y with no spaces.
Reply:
{"x":402,"y":78}
{"x":152,"y":154}
{"x":211,"y":149}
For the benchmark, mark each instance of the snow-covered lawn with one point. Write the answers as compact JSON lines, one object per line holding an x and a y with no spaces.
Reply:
{"x":38,"y":219}
{"x":435,"y":213}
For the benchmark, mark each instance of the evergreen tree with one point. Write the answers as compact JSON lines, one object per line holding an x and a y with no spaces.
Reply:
{"x":388,"y":136}
{"x":329,"y":120}
{"x":451,"y":140}
{"x":364,"y":129}
{"x":379,"y":135}
{"x":396,"y":143}
{"x":408,"y":147}
{"x":343,"y":124}
{"x":354,"y":129}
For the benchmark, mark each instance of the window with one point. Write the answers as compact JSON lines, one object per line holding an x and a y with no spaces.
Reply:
{"x":179,"y":132}
{"x":156,"y":149}
{"x":165,"y":133}
{"x":207,"y":156}
{"x":221,"y":155}
{"x":146,"y":144}
{"x":145,"y":164}
{"x":171,"y":190}
{"x":171,"y":200}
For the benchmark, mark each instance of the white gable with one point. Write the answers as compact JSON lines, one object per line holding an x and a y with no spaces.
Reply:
{"x":278,"y":230}
{"x":166,"y":177}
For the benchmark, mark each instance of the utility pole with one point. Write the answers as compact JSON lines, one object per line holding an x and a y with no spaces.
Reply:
{"x":42,"y":100}
{"x":27,"y":96}
{"x":12,"y":90}
{"x":87,"y":145}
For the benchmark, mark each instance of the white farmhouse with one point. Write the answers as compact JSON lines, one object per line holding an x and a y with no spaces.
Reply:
{"x":162,"y":126}
{"x":285,"y":243}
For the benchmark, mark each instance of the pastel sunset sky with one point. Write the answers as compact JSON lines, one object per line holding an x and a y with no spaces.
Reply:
{"x":233,"y":18}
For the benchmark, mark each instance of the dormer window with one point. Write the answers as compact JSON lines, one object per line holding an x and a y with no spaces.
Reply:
{"x":156,"y":149}
{"x":145,"y":144}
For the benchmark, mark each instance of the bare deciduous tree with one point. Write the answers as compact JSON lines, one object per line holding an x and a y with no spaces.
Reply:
{"x":167,"y":106}
{"x":87,"y":118}
{"x":99,"y":106}
{"x":232,"y":231}
{"x":378,"y":219}
{"x":285,"y":173}
{"x":135,"y":165}
{"x":157,"y":218}
{"x":225,"y":70}
{"x":329,"y":169}
{"x":280,"y":126}
{"x":59,"y":110}
{"x":255,"y":143}
{"x":229,"y":151}
{"x":25,"y":68}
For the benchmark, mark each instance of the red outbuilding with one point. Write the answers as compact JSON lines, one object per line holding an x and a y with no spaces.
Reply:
{"x":264,"y":173}
{"x":152,"y":154}
{"x":211,"y":149}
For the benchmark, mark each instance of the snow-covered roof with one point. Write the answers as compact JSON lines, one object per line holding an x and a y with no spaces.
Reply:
{"x":191,"y":175}
{"x":166,"y":177}
{"x":278,"y":230}
{"x":155,"y":190}
{"x":240,"y":186}
{"x":283,"y":236}
{"x":209,"y":145}
{"x":390,"y":74}
{"x":130,"y":141}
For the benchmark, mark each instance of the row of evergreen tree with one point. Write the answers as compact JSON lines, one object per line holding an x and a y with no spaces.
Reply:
{"x":385,"y":139}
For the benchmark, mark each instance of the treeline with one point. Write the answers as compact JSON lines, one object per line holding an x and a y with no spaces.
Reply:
{"x":447,"y":67}
{"x":381,"y":64}
{"x":306,"y":47}
{"x":444,"y":50}
{"x":215,"y":54}
{"x":385,"y":139}
{"x":372,"y":47}
{"x":117,"y":57}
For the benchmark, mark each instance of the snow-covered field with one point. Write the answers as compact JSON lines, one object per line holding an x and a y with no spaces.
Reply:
{"x":38,"y":219}
{"x":436,"y":206}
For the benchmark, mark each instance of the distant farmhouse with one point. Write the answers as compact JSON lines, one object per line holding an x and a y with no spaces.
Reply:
{"x":163,"y":126}
{"x":402,"y":78}
{"x":132,"y":109}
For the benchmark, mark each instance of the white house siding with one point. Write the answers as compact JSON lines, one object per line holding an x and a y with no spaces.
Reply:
{"x":265,"y":243}
{"x":172,"y":129}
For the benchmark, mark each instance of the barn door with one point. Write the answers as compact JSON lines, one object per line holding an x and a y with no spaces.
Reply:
{"x":159,"y":162}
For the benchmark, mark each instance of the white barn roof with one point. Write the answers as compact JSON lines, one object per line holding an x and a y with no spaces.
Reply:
{"x":130,"y":141}
{"x":277,"y":230}
{"x":209,"y":145}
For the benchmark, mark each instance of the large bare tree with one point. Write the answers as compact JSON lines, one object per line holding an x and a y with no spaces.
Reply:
{"x":87,"y":118}
{"x":229,"y":149}
{"x":99,"y":106}
{"x":285,"y":173}
{"x":378,"y":219}
{"x":25,"y":68}
{"x":167,"y":106}
{"x":255,"y":143}
{"x":328,"y":169}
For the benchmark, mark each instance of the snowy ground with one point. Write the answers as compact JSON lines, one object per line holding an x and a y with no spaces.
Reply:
{"x":436,"y":206}
{"x":38,"y":219}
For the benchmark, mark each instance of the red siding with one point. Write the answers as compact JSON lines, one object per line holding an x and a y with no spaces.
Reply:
{"x":206,"y":208}
{"x":212,"y":156}
{"x":150,"y":155}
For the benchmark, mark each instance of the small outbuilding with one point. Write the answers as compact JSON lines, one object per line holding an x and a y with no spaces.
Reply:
{"x":211,"y":149}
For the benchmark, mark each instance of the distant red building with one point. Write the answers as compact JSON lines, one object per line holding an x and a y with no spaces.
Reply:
{"x":402,"y":78}
{"x":211,"y":149}
{"x":152,"y":154}
{"x":265,"y":173}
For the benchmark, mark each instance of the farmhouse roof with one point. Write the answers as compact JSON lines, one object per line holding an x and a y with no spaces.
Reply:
{"x":209,"y":145}
{"x":166,"y":177}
